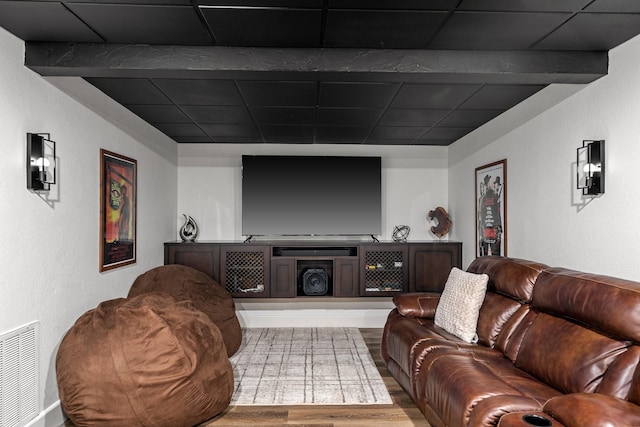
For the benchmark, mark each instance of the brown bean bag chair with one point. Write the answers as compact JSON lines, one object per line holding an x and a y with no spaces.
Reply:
{"x":145,"y":361}
{"x":208,"y":296}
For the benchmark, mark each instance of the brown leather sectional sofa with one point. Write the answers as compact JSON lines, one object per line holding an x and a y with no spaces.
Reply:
{"x":553,"y":343}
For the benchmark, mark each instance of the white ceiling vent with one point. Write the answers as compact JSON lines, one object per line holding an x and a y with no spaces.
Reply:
{"x":19,"y":376}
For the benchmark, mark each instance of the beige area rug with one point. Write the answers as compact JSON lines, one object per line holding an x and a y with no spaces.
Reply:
{"x":300,"y":366}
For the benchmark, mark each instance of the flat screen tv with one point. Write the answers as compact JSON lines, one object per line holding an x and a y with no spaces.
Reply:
{"x":311,"y":196}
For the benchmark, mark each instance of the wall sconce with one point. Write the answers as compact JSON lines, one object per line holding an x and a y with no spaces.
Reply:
{"x":591,"y":167}
{"x":41,"y":161}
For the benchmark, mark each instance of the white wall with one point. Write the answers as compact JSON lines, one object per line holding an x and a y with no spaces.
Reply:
{"x":414,"y":181}
{"x":50,"y":243}
{"x":548,"y":219}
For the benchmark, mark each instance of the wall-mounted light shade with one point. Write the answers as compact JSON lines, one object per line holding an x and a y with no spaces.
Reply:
{"x":41,"y":162}
{"x":591,"y":167}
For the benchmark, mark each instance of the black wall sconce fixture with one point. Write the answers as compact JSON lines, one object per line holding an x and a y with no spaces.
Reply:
{"x":591,"y":167}
{"x":41,"y":161}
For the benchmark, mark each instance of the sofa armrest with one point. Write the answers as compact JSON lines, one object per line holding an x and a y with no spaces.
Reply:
{"x":417,"y":304}
{"x":528,"y":419}
{"x":593,"y":410}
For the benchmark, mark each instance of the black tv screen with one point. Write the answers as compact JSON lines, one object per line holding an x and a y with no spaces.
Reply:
{"x":311,"y":195}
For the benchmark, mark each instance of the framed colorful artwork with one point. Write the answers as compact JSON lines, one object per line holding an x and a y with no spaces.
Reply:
{"x":118,"y":193}
{"x":491,"y":209}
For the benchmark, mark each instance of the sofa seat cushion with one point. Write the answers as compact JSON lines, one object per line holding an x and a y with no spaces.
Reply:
{"x":460,"y":303}
{"x":407,"y":341}
{"x":593,"y":410}
{"x":476,"y":388}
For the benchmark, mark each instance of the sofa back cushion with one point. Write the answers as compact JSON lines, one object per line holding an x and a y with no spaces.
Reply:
{"x":510,"y":285}
{"x":511,"y":277}
{"x":565,"y":355}
{"x":584,"y":326}
{"x":607,"y":304}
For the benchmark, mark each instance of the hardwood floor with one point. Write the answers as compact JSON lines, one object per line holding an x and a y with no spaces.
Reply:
{"x":402,"y":413}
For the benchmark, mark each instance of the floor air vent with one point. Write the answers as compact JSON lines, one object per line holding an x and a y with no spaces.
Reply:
{"x":19,"y":376}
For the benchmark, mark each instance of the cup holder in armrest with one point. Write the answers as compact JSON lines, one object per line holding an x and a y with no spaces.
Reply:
{"x":537,"y":420}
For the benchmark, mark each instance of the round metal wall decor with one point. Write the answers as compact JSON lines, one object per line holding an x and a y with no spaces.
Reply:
{"x":401,"y":233}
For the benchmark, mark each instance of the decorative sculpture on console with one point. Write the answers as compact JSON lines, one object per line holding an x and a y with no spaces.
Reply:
{"x":444,"y":222}
{"x":401,"y":233}
{"x":189,"y":231}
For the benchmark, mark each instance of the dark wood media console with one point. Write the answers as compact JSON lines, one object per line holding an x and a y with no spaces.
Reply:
{"x":308,"y":269}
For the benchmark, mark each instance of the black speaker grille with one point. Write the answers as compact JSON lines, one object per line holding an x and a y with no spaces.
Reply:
{"x":315,"y":281}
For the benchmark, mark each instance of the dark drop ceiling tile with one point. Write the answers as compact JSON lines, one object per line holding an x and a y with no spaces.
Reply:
{"x":434,"y":142}
{"x":408,"y":117}
{"x":264,"y":26}
{"x":389,"y":141}
{"x":382,"y":29}
{"x":500,"y":97}
{"x":593,"y":31}
{"x":349,"y":116}
{"x":313,"y":4}
{"x":446,"y":133}
{"x":284,"y":115}
{"x":341,"y":134}
{"x":394,"y":4}
{"x":38,"y":21}
{"x":432,"y":96}
{"x":398,"y":132}
{"x":154,"y":2}
{"x":216,"y":130}
{"x":130,"y":91}
{"x":339,"y":94}
{"x":277,"y":93}
{"x":152,"y":24}
{"x":192,"y":139}
{"x":288,"y":133}
{"x":179,"y":129}
{"x":524,"y":5}
{"x":233,"y":140}
{"x":160,"y":113}
{"x":218,"y":114}
{"x":632,"y":6}
{"x":496,"y":30}
{"x":200,"y":92}
{"x":469,"y":118}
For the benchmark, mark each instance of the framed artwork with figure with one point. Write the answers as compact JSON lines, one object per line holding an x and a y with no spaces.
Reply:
{"x":118,"y":193}
{"x":491,"y":209}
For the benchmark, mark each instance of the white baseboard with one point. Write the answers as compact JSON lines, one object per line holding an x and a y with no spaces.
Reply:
{"x":50,"y":417}
{"x":305,"y":318}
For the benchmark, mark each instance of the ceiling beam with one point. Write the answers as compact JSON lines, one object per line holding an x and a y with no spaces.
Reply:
{"x":408,"y":65}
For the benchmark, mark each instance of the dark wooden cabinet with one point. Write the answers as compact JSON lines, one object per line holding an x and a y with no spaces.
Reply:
{"x":245,"y":270}
{"x":205,"y":258}
{"x":346,"y":281}
{"x":430,"y":264}
{"x":357,"y":269}
{"x":283,"y":278}
{"x":384,"y":269}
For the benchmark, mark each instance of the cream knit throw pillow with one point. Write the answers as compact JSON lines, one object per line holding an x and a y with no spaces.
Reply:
{"x":459,"y":306}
